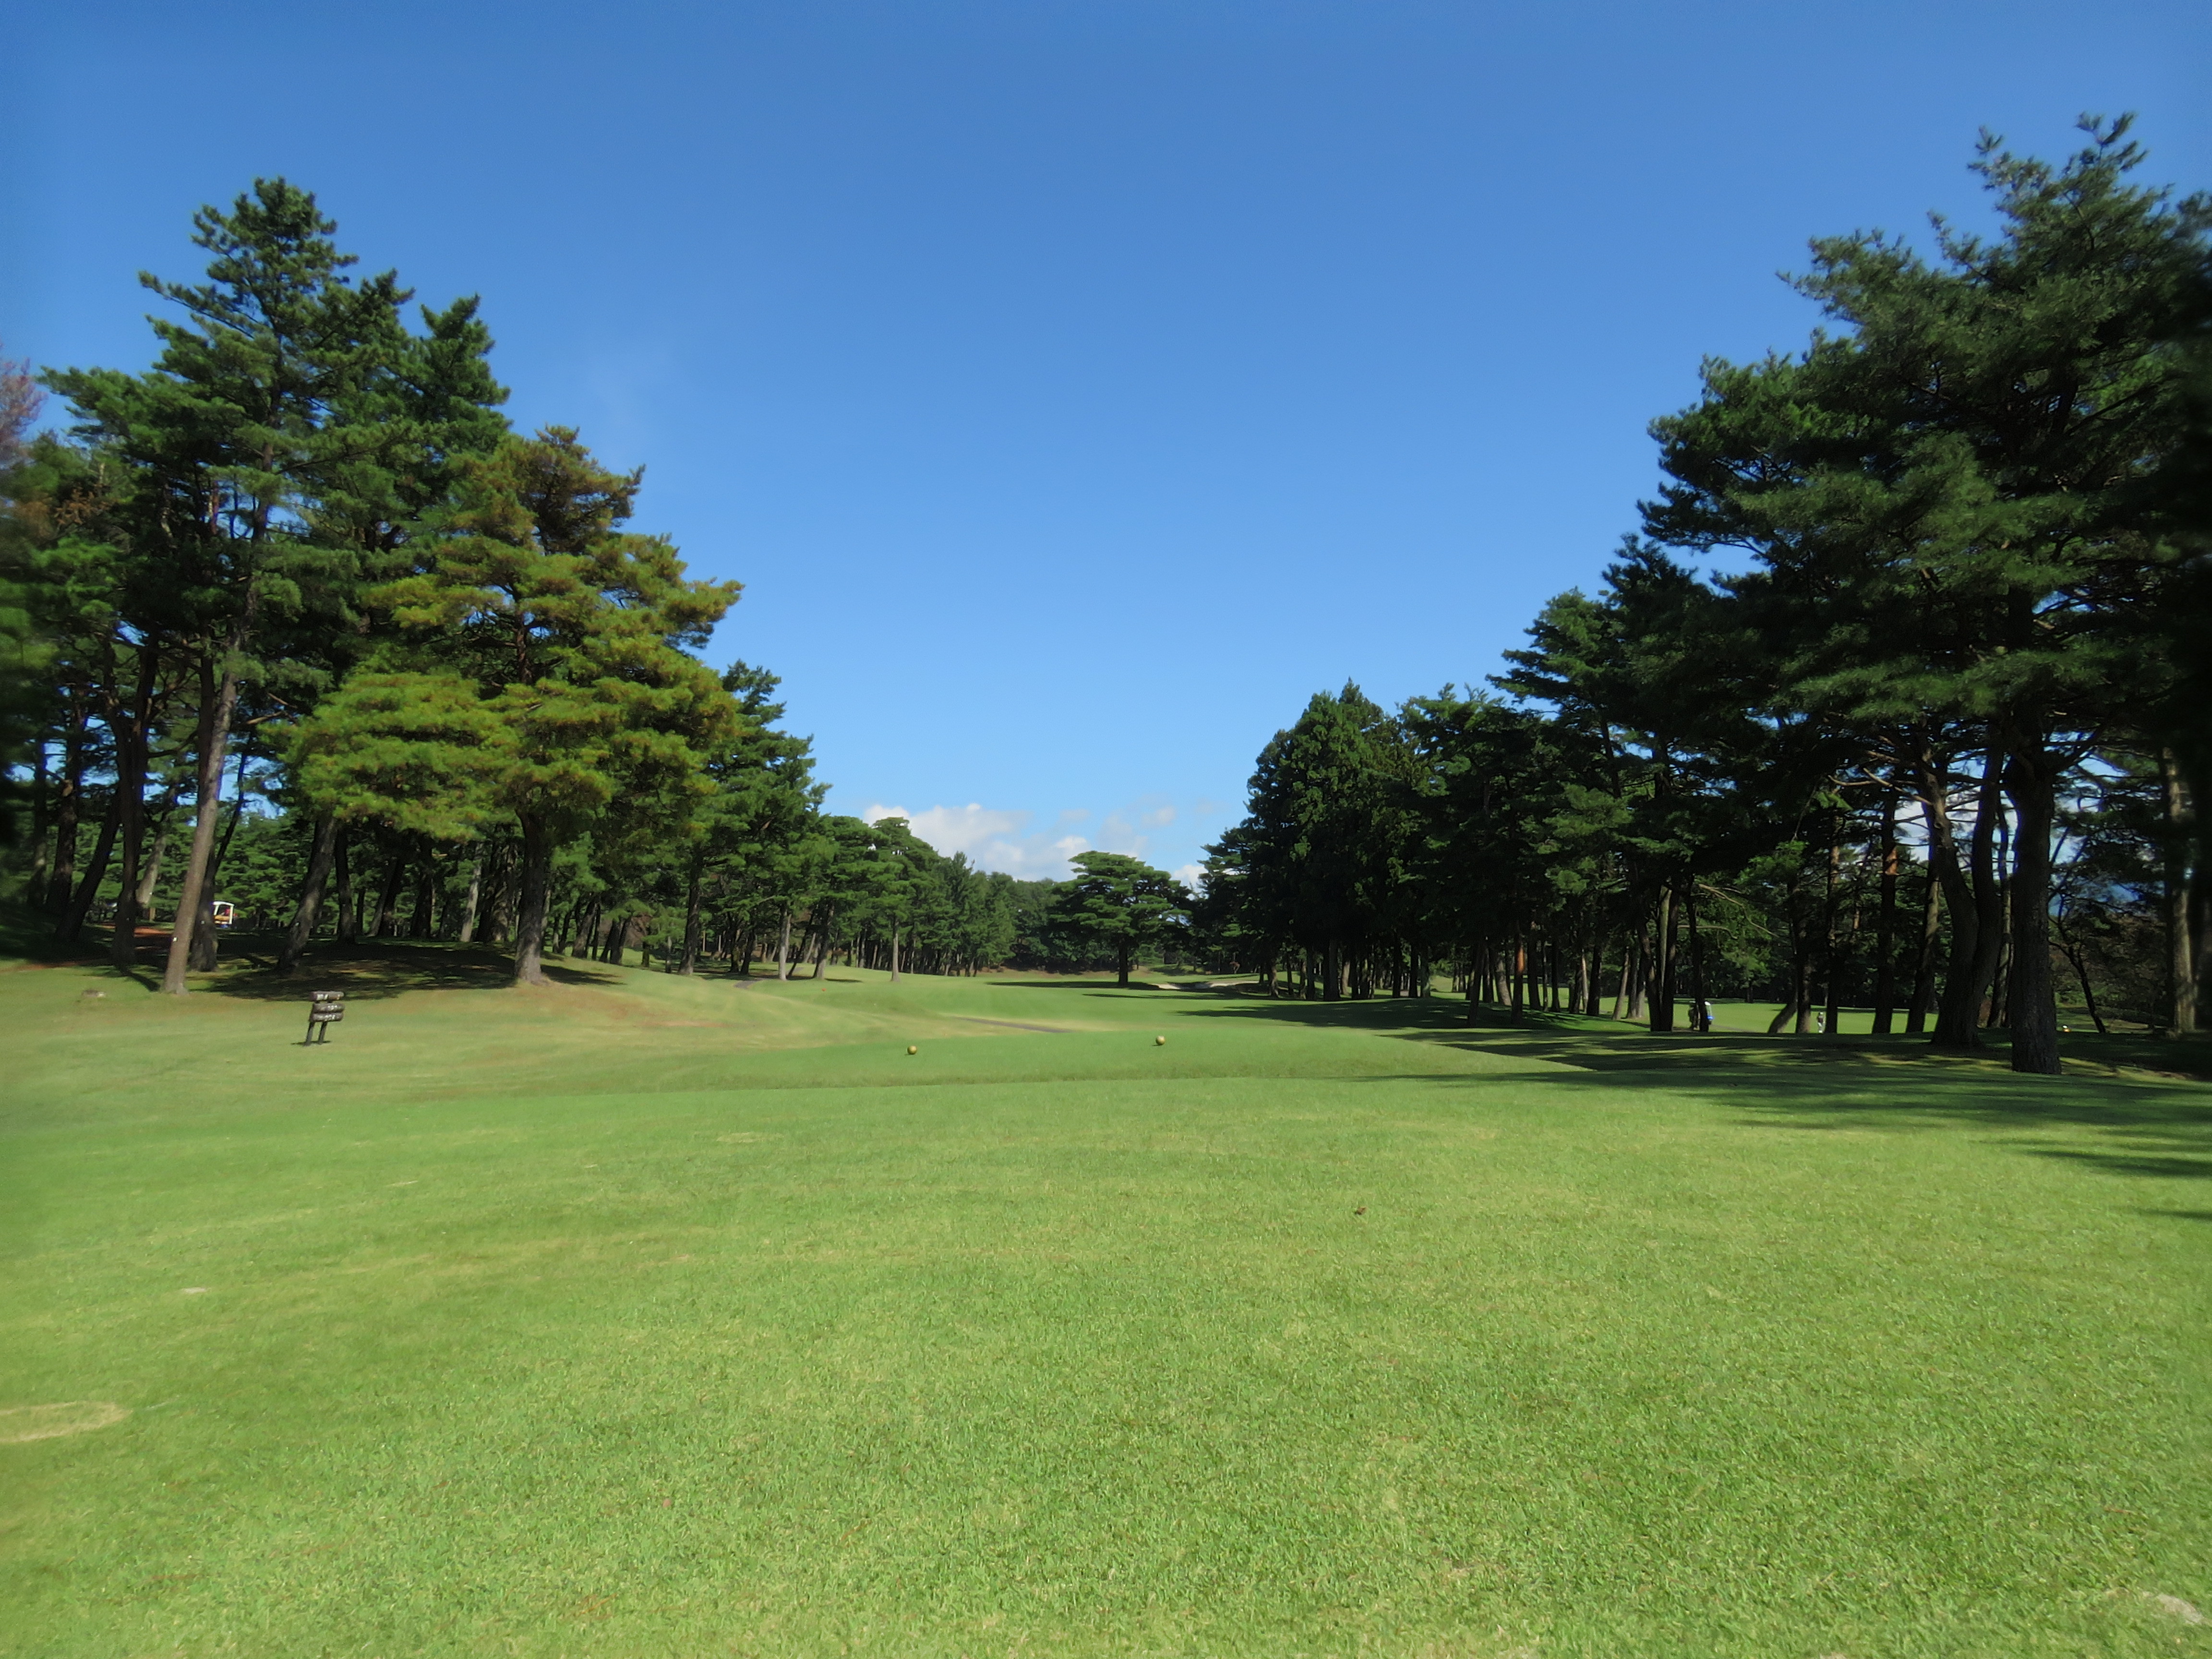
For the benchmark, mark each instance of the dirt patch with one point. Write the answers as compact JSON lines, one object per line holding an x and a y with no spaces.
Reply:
{"x":21,"y":1423}
{"x":2174,"y":1608}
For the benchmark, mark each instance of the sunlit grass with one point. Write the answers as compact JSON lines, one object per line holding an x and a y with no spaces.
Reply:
{"x":643,"y":1316}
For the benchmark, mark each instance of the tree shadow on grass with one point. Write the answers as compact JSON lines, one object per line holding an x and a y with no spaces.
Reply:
{"x":1387,"y":1014}
{"x":2141,"y":1100}
{"x":2137,"y":1125}
{"x":373,"y":969}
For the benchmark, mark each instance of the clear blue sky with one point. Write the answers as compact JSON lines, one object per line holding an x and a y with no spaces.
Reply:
{"x":1077,"y":387}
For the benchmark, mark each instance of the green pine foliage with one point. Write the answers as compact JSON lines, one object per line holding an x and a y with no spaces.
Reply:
{"x":294,"y":630}
{"x":1935,"y":745}
{"x":1119,"y":904}
{"x":1895,"y":702}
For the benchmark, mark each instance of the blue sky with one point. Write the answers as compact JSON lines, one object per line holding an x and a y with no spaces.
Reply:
{"x":1077,"y":387}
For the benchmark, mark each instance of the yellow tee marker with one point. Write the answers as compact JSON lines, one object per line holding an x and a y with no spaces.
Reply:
{"x":911,"y":1049}
{"x":1159,"y":1042}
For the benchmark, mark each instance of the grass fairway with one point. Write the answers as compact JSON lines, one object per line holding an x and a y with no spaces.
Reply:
{"x":641,"y":1316}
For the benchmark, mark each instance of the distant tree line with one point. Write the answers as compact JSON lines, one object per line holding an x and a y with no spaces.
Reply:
{"x":1936,"y":744}
{"x":295,"y":623}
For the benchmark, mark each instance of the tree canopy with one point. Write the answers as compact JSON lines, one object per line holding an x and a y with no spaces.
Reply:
{"x":1119,"y":903}
{"x":1967,"y":635}
{"x":1896,"y":693}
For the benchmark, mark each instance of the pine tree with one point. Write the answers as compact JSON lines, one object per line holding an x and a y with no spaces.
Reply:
{"x":1120,"y":902}
{"x":566,"y":634}
{"x":1968,"y":464}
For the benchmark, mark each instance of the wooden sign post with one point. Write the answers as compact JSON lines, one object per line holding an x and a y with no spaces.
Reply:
{"x":324,"y":1011}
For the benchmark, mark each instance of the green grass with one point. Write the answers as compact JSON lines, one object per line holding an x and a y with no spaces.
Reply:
{"x":641,"y":1316}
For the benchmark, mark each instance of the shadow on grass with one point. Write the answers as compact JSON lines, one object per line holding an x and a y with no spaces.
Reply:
{"x":1386,"y":1014}
{"x":2131,"y":1094}
{"x":373,"y":969}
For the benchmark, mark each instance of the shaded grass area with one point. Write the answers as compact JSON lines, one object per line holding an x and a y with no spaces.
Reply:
{"x":639,"y":1316}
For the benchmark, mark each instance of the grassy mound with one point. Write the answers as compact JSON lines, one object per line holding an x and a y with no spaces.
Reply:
{"x":644,"y":1315}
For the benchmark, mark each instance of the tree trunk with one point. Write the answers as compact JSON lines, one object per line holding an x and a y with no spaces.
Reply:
{"x":491,"y":891}
{"x":1122,"y":961}
{"x":1831,"y":950}
{"x":2181,"y":955}
{"x":2031,"y":782}
{"x":1924,"y":974}
{"x":345,"y":893}
{"x":204,"y":936}
{"x":895,"y":958}
{"x":1697,"y":958}
{"x":467,"y":932}
{"x":320,"y":857}
{"x":1801,"y":972}
{"x":131,"y":730}
{"x":1518,"y":971}
{"x":689,"y":961}
{"x":388,"y":896}
{"x":2088,"y":992}
{"x":218,"y":696}
{"x":154,"y":836}
{"x":1663,"y":964}
{"x":38,"y":893}
{"x":536,"y":861}
{"x":61,"y":877}
{"x":96,"y":871}
{"x":783,"y":948}
{"x":1884,"y":929}
{"x":424,"y":922}
{"x":2000,"y":979}
{"x":1971,"y":899}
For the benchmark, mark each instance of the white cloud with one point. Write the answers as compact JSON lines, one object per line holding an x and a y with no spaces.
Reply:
{"x":1004,"y":839}
{"x":993,"y":839}
{"x":1192,"y":876}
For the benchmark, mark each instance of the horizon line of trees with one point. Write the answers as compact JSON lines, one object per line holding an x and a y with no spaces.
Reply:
{"x":295,"y":623}
{"x":294,"y":620}
{"x":1938,"y":746}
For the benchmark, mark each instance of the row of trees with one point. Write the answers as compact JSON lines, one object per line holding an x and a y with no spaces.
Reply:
{"x":295,"y":622}
{"x":1938,"y":743}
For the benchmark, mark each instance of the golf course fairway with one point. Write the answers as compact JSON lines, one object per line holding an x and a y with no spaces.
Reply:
{"x":640,"y":1315}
